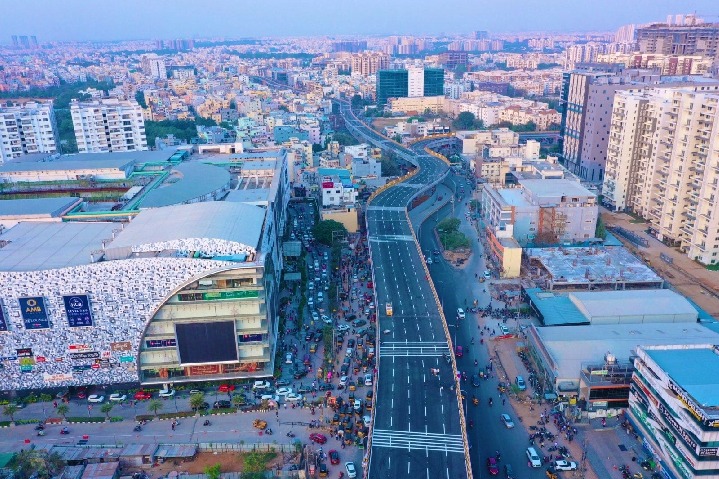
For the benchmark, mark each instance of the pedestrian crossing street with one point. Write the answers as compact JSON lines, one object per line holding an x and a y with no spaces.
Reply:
{"x":415,"y":440}
{"x":413,"y":349}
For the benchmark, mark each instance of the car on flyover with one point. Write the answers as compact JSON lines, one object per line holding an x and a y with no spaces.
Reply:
{"x":507,"y":420}
{"x":492,"y":466}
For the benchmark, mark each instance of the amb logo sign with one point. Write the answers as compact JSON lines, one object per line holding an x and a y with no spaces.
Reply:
{"x":34,"y":313}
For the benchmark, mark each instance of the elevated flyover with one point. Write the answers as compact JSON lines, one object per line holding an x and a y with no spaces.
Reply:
{"x":418,"y":425}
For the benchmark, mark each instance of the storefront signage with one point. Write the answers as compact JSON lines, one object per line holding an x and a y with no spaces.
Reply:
{"x":77,"y":310}
{"x":57,"y":378}
{"x":692,"y":406}
{"x":87,"y":355}
{"x":127,"y":359}
{"x":79,"y":348}
{"x":121,"y":346}
{"x":33,"y":312}
{"x":80,"y":368}
{"x":680,"y":430}
{"x":160,"y":343}
{"x":24,"y":352}
{"x":230,"y":295}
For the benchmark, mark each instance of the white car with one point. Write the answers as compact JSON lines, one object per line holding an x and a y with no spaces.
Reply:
{"x":343,"y":327}
{"x":349,"y":352}
{"x":118,"y":397}
{"x":261,"y":385}
{"x":288,"y":358}
{"x":507,"y":421}
{"x":326,"y":319}
{"x":293,"y":397}
{"x":351,"y":471}
{"x":460,"y":313}
{"x":311,"y":286}
{"x":315,"y":316}
{"x":429,"y":260}
{"x":367,"y":379}
{"x":270,"y":397}
{"x":196,"y":391}
{"x":367,"y":420}
{"x":357,"y":405}
{"x":96,"y":398}
{"x":284,"y":391}
{"x":166,"y":393}
{"x":320,"y":297}
{"x":563,"y":465}
{"x":343,"y":380}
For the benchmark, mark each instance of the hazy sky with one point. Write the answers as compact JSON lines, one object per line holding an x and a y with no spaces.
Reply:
{"x":157,"y":19}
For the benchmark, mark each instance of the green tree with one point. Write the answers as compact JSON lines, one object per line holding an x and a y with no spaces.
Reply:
{"x":344,"y":138}
{"x":357,"y":101}
{"x":255,"y":465}
{"x":325,"y":230}
{"x":449,"y":224}
{"x":106,"y":409}
{"x":196,"y":401}
{"x":154,"y":406}
{"x":601,"y":229}
{"x":140,"y":98}
{"x":464,"y":121}
{"x":10,"y":410}
{"x":213,"y":472}
{"x":63,"y":409}
{"x":36,"y":463}
{"x":389,"y":167}
{"x":238,"y":400}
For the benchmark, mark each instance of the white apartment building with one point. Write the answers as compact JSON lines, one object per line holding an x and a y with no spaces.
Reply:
{"x":415,"y":82}
{"x":154,"y":67}
{"x":369,"y":63}
{"x":108,"y":125}
{"x":26,"y":129}
{"x":337,"y":191}
{"x":663,"y":164}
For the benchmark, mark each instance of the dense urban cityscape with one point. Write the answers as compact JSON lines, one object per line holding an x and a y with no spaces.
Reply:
{"x":455,"y":255}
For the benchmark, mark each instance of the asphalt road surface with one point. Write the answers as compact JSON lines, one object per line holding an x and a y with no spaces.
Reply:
{"x":417,"y":430}
{"x":489,"y":433}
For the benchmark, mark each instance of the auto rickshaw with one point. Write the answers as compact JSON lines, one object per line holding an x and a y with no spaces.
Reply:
{"x":259,"y":424}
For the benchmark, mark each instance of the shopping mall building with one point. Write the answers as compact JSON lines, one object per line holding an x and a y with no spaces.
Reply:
{"x":181,"y":293}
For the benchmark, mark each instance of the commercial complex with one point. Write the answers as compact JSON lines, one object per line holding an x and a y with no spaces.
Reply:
{"x":674,"y":401}
{"x":154,"y":67}
{"x":108,"y":126}
{"x":180,"y":293}
{"x":26,"y":129}
{"x":594,"y":364}
{"x":410,"y":82}
{"x":662,"y":165}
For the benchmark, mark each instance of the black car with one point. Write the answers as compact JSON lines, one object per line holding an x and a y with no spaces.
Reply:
{"x":325,"y":387}
{"x":508,"y":471}
{"x":308,"y":335}
{"x":222,"y":405}
{"x":305,"y":389}
{"x":358,"y":322}
{"x":475,"y":381}
{"x":299,"y":373}
{"x":318,"y":336}
{"x":282,"y":382}
{"x":350,"y":343}
{"x":203,"y":406}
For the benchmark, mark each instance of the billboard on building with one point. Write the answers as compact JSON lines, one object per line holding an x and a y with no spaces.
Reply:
{"x":77,"y":310}
{"x":34,"y":313}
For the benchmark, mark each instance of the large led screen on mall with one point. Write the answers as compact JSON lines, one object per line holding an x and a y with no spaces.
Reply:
{"x":201,"y":343}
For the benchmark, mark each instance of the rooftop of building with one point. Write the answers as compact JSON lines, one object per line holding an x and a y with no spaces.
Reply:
{"x":37,"y":206}
{"x":187,"y":182}
{"x":555,"y":187}
{"x":103,"y":161}
{"x":593,"y":264}
{"x":703,"y":387}
{"x":572,"y":346}
{"x":31,"y":246}
{"x":233,"y":222}
{"x":513,"y":197}
{"x":611,"y":306}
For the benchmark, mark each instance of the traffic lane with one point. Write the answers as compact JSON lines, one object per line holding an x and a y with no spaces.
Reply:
{"x":389,"y":463}
{"x":488,"y":434}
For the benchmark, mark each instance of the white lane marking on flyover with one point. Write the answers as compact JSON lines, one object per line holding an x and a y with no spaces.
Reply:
{"x":417,"y":440}
{"x":386,"y":208}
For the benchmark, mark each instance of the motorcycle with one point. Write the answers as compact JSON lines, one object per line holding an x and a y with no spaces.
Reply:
{"x":206,"y":423}
{"x":475,"y":401}
{"x":290,"y":434}
{"x":471,"y":424}
{"x":40,"y":427}
{"x":41,"y":432}
{"x":491,"y":401}
{"x":64,"y":430}
{"x":268,"y":431}
{"x":137,"y":428}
